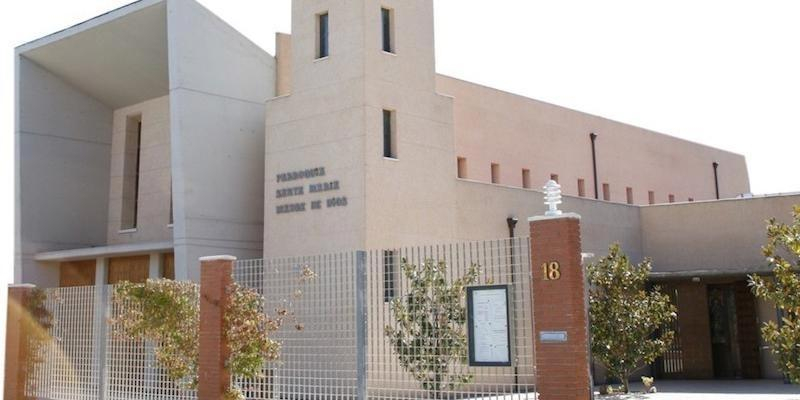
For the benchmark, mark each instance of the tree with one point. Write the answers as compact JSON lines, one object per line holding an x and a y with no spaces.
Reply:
{"x":629,"y":324}
{"x":428,"y":336}
{"x":783,"y":255}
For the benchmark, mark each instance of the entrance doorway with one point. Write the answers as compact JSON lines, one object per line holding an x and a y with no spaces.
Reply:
{"x":724,"y":343}
{"x":734,"y":331}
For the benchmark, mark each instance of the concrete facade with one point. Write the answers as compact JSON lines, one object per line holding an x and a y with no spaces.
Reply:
{"x":262,"y":156}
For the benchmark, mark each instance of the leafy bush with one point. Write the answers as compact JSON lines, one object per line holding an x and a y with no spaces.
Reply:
{"x":429,"y":333}
{"x":629,"y":324}
{"x":167,"y":313}
{"x":37,"y":323}
{"x":783,"y":254}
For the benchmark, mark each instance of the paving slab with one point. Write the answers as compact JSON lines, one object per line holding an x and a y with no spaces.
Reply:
{"x":712,"y":390}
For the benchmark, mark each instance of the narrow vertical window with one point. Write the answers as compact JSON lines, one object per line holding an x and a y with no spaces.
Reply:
{"x":387,"y":26}
{"x":606,"y":192}
{"x":651,"y":197}
{"x":462,"y":167}
{"x":322,"y":35}
{"x":389,"y":134}
{"x":672,"y":198}
{"x":526,"y":178}
{"x":389,"y":271}
{"x":581,"y":188}
{"x":171,"y":213}
{"x":495,"y":173}
{"x":629,"y":195}
{"x":554,"y":177}
{"x":130,"y":178}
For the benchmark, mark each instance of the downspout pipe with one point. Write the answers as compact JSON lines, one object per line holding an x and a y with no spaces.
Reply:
{"x":593,"y":137}
{"x":512,"y":223}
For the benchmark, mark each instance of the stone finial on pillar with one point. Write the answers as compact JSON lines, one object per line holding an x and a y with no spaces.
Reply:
{"x":215,"y":278}
{"x":560,"y":308}
{"x":552,"y":198}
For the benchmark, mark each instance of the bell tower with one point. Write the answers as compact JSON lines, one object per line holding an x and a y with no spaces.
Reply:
{"x":362,"y":107}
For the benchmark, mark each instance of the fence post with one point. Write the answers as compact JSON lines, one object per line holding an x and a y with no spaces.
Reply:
{"x":102,"y":313}
{"x":361,"y":325}
{"x":16,"y":342}
{"x":215,"y":277}
{"x":560,"y":309}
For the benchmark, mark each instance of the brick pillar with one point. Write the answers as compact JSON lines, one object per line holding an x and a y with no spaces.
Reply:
{"x":16,"y":342}
{"x":215,"y":277}
{"x":560,"y":309}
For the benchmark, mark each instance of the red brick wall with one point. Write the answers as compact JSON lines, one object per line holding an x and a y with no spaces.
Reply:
{"x":560,"y":305}
{"x":15,"y":343}
{"x":215,"y":277}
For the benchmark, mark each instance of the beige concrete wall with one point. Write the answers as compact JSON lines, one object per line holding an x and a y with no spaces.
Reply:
{"x":516,"y":132}
{"x":333,"y":119}
{"x":721,"y":236}
{"x":283,"y":64}
{"x":320,"y":125}
{"x":482,"y":209}
{"x":154,"y":174}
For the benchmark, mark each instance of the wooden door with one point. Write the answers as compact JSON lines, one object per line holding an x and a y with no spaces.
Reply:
{"x":131,"y":269}
{"x":77,"y":273}
{"x":168,"y":266}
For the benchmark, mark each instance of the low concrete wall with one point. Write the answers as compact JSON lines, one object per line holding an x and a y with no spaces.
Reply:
{"x":717,"y":236}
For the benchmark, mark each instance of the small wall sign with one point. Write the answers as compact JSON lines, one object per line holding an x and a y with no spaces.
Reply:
{"x":487,"y":325}
{"x":553,"y":336}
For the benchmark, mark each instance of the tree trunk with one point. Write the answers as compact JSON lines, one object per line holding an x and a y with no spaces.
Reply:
{"x":625,"y":383}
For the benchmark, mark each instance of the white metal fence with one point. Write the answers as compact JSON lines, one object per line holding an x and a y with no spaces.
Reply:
{"x":334,"y":343}
{"x":336,"y":346}
{"x":85,"y":361}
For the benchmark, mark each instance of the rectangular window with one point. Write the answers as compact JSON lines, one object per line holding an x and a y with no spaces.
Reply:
{"x":526,"y":178}
{"x":171,"y":212}
{"x":462,"y":167}
{"x":387,"y":25}
{"x":629,"y":195}
{"x":606,"y":192}
{"x":389,"y":134}
{"x":130,"y":172}
{"x":322,"y":35}
{"x":581,"y":188}
{"x":672,"y":198}
{"x":495,"y":173}
{"x":554,"y":177}
{"x":389,"y":272}
{"x":651,"y":197}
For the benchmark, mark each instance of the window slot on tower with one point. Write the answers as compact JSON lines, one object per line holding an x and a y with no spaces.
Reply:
{"x":461,"y":164}
{"x":651,"y":197}
{"x":495,"y":173}
{"x":554,"y":177}
{"x":387,"y":27}
{"x":629,"y":195}
{"x":606,"y":192}
{"x":581,"y":188}
{"x":323,"y":50}
{"x":526,"y":178}
{"x":389,"y":134}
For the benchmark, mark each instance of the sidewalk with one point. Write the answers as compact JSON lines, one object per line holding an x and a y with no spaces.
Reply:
{"x":712,"y":390}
